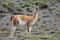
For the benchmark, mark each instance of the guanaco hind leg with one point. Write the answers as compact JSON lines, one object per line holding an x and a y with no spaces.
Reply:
{"x":28,"y":28}
{"x":12,"y":31}
{"x":13,"y":28}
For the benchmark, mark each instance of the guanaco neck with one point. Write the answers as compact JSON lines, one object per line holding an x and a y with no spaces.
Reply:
{"x":35,"y":14}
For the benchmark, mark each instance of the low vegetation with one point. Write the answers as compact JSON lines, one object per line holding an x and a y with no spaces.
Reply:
{"x":44,"y":30}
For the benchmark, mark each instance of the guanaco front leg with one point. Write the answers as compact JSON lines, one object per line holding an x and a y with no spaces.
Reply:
{"x":28,"y":28}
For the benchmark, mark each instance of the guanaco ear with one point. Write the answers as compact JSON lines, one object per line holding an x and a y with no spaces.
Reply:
{"x":11,"y":18}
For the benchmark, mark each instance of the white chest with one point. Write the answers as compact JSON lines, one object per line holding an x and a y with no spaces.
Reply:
{"x":34,"y":21}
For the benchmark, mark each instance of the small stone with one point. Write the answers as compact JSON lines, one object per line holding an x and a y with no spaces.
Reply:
{"x":10,"y":9}
{"x":4,"y":29}
{"x":46,"y":16}
{"x":44,"y":21}
{"x":50,"y":9}
{"x":52,"y":32}
{"x":44,"y":12}
{"x":20,"y":10}
{"x":43,"y":26}
{"x":38,"y":19}
{"x":46,"y":39}
{"x":26,"y":5}
{"x":43,"y":6}
{"x":56,"y":6}
{"x":7,"y":23}
{"x":22,"y":6}
{"x":29,"y":10}
{"x":20,"y":3}
{"x":35,"y":3}
{"x":1,"y":11}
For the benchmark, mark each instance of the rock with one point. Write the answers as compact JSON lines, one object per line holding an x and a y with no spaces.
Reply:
{"x":11,"y":9}
{"x":46,"y":16}
{"x":22,"y":6}
{"x":43,"y":6}
{"x":2,"y":16}
{"x":26,"y":5}
{"x":38,"y":19}
{"x":29,"y":10}
{"x":7,"y":23}
{"x":50,"y":9}
{"x":3,"y":10}
{"x":52,"y":32}
{"x":17,"y":12}
{"x":20,"y":3}
{"x":46,"y":38}
{"x":20,"y":10}
{"x":44,"y":21}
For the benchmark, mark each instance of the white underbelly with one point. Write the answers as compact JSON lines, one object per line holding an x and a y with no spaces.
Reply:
{"x":21,"y":22}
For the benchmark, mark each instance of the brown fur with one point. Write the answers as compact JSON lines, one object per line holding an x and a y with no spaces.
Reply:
{"x":25,"y":18}
{"x":11,"y":18}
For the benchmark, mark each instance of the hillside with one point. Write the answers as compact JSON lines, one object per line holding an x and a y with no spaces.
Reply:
{"x":47,"y":26}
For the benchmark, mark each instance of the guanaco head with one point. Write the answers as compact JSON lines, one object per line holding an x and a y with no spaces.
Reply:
{"x":35,"y":10}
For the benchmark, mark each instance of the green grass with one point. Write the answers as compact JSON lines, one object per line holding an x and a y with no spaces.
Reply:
{"x":27,"y":2}
{"x":39,"y":36}
{"x":57,"y":12}
{"x":40,"y":3}
{"x":29,"y":10}
{"x":8,"y":3}
{"x":35,"y":37}
{"x":50,"y":9}
{"x":54,"y":1}
{"x":57,"y":34}
{"x":19,"y":6}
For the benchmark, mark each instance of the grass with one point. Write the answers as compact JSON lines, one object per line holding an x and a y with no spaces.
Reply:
{"x":39,"y":36}
{"x":29,"y":10}
{"x":57,"y":34}
{"x":40,"y":3}
{"x":8,"y":4}
{"x":27,"y":2}
{"x":58,"y":0}
{"x":57,"y":12}
{"x":50,"y":9}
{"x":18,"y":6}
{"x":54,"y":1}
{"x":35,"y":37}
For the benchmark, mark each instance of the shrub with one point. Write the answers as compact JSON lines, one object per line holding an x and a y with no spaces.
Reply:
{"x":8,"y":3}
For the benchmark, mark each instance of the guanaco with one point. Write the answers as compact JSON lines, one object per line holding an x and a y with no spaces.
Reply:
{"x":24,"y":20}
